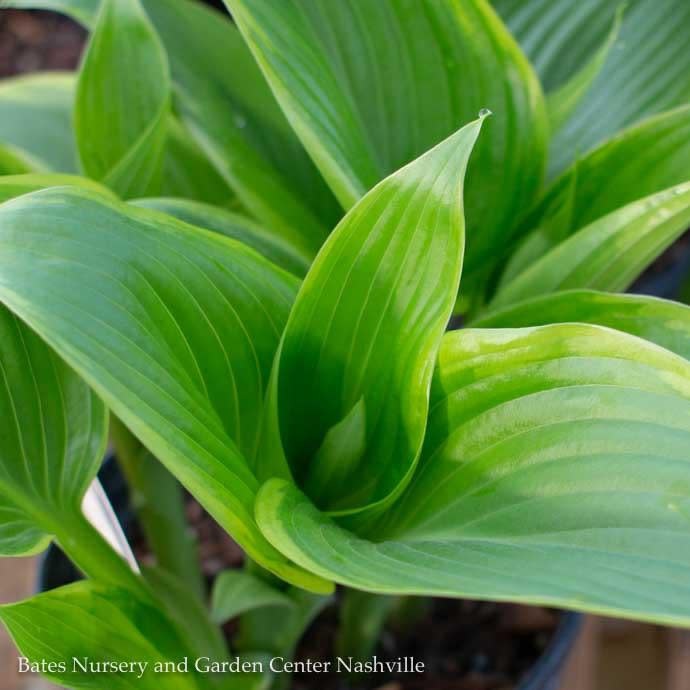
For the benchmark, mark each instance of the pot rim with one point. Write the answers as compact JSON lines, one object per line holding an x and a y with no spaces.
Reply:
{"x":549,"y":665}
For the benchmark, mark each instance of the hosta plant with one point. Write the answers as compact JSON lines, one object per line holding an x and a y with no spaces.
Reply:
{"x":236,"y":248}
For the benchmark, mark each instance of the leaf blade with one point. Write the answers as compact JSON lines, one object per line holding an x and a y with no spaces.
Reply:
{"x":646,"y":73}
{"x":609,"y":253}
{"x":44,"y":100}
{"x":235,"y":592}
{"x":336,"y":61}
{"x":112,"y":626}
{"x":374,"y":296}
{"x":275,"y":248}
{"x":121,"y":132}
{"x":53,"y":441}
{"x":660,"y":321}
{"x":235,"y":121}
{"x":15,"y":185}
{"x":238,"y":124}
{"x":638,"y":162}
{"x":523,"y":435}
{"x":145,"y":308}
{"x":564,"y":100}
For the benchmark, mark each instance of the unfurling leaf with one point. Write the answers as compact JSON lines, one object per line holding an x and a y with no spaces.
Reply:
{"x":360,"y":344}
{"x":53,"y":440}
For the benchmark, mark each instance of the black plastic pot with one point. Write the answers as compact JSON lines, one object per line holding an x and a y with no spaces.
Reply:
{"x":56,"y":570}
{"x":666,"y":283}
{"x":546,"y":673}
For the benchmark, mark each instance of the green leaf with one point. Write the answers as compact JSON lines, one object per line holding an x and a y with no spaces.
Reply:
{"x":342,"y":449}
{"x":15,"y":162}
{"x":121,"y":131}
{"x":38,"y":113}
{"x":609,"y":253}
{"x":15,"y":185}
{"x":564,"y":100}
{"x":274,"y":247}
{"x":234,"y":117}
{"x":53,"y":439}
{"x":553,"y":226}
{"x":236,"y":592}
{"x":555,"y":471}
{"x":89,"y":622}
{"x":557,"y":37}
{"x":188,"y":612}
{"x":661,"y":321}
{"x":364,"y":332}
{"x":369,"y":86}
{"x":647,"y":72}
{"x":640,"y":161}
{"x":188,"y":173}
{"x":362,"y":617}
{"x":35,"y":120}
{"x":158,"y":502}
{"x":225,"y":103}
{"x":174,"y":327}
{"x":277,"y":631}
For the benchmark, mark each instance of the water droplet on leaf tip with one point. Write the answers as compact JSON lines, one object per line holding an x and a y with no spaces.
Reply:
{"x":484,"y":112}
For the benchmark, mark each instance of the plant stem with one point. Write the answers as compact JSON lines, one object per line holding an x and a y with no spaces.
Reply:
{"x":409,"y":611}
{"x":94,"y":556}
{"x":159,"y":504}
{"x":362,"y":618}
{"x":277,"y":631}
